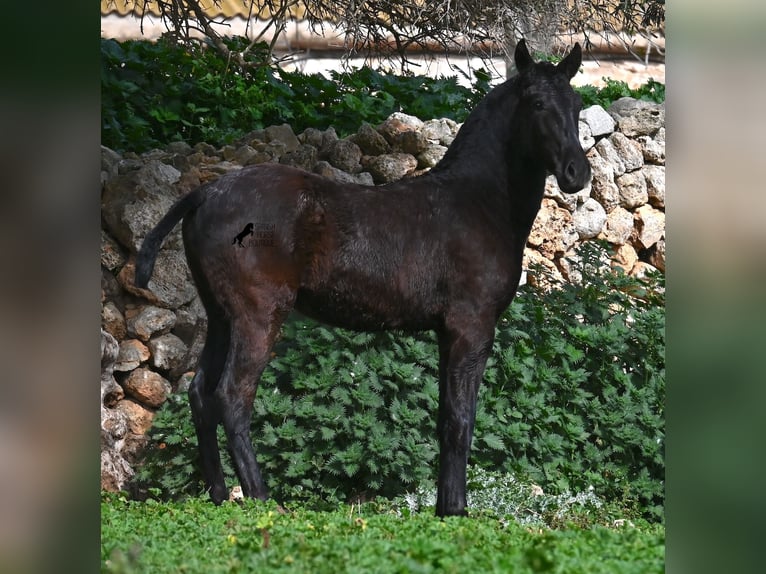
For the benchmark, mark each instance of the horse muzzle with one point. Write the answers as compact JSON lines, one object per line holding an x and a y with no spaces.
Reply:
{"x":575,"y":174}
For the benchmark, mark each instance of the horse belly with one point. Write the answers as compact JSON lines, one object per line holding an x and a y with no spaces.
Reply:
{"x":368,"y":308}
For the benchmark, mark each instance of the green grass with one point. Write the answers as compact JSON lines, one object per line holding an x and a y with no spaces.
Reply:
{"x":196,"y":536}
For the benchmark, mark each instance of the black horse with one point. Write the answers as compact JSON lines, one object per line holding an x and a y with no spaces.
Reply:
{"x":440,"y":252}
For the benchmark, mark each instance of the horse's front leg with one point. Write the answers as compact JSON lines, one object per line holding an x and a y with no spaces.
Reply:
{"x":462,"y":358}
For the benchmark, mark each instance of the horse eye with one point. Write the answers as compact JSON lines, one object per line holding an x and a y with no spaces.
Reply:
{"x":538,"y":105}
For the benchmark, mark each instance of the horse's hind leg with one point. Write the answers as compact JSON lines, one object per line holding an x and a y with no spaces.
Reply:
{"x":206,"y":412}
{"x":252,"y":337}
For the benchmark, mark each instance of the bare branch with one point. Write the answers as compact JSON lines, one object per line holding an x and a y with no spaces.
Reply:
{"x":396,"y":28}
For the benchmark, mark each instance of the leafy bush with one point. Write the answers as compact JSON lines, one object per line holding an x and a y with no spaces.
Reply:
{"x":153,"y":93}
{"x":574,"y":398}
{"x":157,"y":92}
{"x":652,"y":91}
{"x":575,"y":388}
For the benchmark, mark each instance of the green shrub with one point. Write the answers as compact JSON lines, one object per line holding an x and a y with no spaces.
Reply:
{"x":574,"y":398}
{"x":652,"y":91}
{"x":153,"y":93}
{"x":575,"y":388}
{"x":157,"y":92}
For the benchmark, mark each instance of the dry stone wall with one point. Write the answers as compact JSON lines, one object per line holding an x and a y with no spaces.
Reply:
{"x":149,"y":347}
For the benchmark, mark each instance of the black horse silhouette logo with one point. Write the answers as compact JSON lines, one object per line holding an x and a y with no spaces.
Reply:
{"x":248,"y":230}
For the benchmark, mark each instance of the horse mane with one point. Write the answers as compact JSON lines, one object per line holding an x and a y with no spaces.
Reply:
{"x":471,"y":152}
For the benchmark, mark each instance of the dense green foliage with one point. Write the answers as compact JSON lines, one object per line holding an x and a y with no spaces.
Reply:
{"x":615,"y":89}
{"x":156,"y":92}
{"x":196,"y":536}
{"x":573,"y":398}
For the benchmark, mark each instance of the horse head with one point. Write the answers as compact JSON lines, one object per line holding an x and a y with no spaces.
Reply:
{"x":548,"y":114}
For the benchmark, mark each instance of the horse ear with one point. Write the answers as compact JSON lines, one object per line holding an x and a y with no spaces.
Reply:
{"x":571,"y":64}
{"x":521,"y":56}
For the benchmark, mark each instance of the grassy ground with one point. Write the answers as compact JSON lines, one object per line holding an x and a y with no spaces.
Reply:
{"x":196,"y":536}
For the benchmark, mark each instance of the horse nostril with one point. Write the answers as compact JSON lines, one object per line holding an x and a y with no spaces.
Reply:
{"x":570,"y":171}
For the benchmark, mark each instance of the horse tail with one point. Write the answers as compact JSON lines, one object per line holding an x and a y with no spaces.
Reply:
{"x":150,"y":247}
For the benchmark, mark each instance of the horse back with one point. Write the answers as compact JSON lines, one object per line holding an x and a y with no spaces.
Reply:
{"x":356,"y":256}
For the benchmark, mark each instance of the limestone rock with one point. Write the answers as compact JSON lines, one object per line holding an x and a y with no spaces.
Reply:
{"x":568,"y":201}
{"x":572,"y":266}
{"x":589,"y":219}
{"x":652,"y":149}
{"x":637,"y":117}
{"x":397,"y":123}
{"x":218,"y":169}
{"x":111,"y":290}
{"x":171,"y":280}
{"x":625,"y":257}
{"x":585,"y":135}
{"x":115,"y":470}
{"x":655,"y":184}
{"x":607,"y":151}
{"x":241,"y":155}
{"x":431,"y":156}
{"x":187,"y":318}
{"x":110,"y":164}
{"x":324,"y":169}
{"x":131,"y":354}
{"x":650,"y":225}
{"x":284,"y":135}
{"x":204,"y":148}
{"x":391,"y":167}
{"x":190,"y":179}
{"x":619,"y":226}
{"x":178,"y":147}
{"x":134,"y":202}
{"x":632,"y":188}
{"x":147,"y":387}
{"x":112,"y":321}
{"x":167,"y":351}
{"x":598,"y":120}
{"x":110,"y":350}
{"x":657,"y":255}
{"x":329,"y":137}
{"x":151,"y":321}
{"x":411,"y":142}
{"x":441,"y":131}
{"x":139,"y":417}
{"x":346,"y":156}
{"x":112,"y":255}
{"x":303,"y":158}
{"x":627,"y":150}
{"x":184,"y":382}
{"x":370,"y":141}
{"x":265,"y":153}
{"x":603,"y":188}
{"x":312,"y":137}
{"x":553,"y":231}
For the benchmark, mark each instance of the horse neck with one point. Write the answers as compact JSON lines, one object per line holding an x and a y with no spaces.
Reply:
{"x":486,"y":159}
